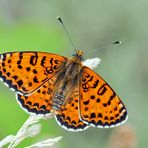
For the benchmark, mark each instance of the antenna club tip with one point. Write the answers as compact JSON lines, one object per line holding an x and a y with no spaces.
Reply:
{"x":117,"y":42}
{"x":60,"y":19}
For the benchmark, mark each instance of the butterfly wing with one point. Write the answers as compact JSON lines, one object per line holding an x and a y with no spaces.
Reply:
{"x":39,"y":102}
{"x":99,"y":104}
{"x":68,"y":117}
{"x":25,"y":72}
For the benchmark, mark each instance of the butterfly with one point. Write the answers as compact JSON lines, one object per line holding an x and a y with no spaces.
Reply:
{"x":47,"y":83}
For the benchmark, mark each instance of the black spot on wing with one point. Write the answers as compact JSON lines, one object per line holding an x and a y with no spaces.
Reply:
{"x":20,"y":83}
{"x":33,"y":59}
{"x":95,"y":84}
{"x":102,"y":90}
{"x":43,"y":61}
{"x":35,"y":80}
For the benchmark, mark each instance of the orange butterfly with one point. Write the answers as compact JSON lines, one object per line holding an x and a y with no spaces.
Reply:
{"x":48,"y":83}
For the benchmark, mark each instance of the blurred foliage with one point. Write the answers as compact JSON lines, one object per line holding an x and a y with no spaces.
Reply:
{"x":32,"y":25}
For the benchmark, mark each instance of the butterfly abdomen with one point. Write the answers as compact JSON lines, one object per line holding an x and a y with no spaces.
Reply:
{"x":58,"y":101}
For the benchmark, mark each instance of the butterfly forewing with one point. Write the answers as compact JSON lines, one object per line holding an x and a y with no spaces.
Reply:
{"x":25,"y":72}
{"x":99,"y":104}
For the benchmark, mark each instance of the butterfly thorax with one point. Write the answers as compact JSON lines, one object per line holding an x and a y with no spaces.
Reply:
{"x":67,"y":83}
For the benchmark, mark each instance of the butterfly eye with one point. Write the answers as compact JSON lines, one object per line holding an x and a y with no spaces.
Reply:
{"x":78,"y":56}
{"x":74,"y":55}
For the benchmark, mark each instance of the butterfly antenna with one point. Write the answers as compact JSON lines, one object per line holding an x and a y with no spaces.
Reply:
{"x":61,"y":21}
{"x":104,"y":47}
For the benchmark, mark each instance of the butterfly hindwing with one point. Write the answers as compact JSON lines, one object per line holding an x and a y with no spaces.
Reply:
{"x":39,"y":102}
{"x":25,"y":72}
{"x":99,"y":104}
{"x":68,"y":117}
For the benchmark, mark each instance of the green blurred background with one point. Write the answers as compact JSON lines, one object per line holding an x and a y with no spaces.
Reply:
{"x":32,"y":25}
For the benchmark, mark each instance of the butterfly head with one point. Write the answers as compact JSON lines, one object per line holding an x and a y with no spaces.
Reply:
{"x":79,"y":55}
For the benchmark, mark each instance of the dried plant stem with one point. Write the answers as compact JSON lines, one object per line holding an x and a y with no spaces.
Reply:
{"x":22,"y":133}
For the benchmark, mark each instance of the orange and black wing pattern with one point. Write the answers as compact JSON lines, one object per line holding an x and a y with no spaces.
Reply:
{"x":68,"y":116}
{"x":39,"y":102}
{"x":25,"y":72}
{"x":99,"y":104}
